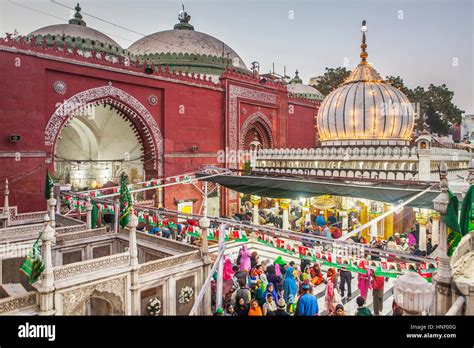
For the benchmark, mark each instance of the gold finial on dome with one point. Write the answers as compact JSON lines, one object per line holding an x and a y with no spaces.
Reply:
{"x":363,"y":54}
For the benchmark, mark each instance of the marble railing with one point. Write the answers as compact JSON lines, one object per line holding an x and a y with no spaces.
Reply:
{"x":160,"y":241}
{"x":70,"y":229}
{"x":66,"y":237}
{"x":14,"y":304}
{"x":24,"y":218}
{"x":168,"y":262}
{"x":95,"y":265}
{"x":359,"y":152}
{"x":26,"y":231}
{"x":67,"y":221}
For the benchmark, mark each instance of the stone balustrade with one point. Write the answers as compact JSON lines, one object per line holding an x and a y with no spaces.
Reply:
{"x":21,"y":232}
{"x":95,"y":265}
{"x":168,"y":262}
{"x":11,"y":305}
{"x":66,"y":237}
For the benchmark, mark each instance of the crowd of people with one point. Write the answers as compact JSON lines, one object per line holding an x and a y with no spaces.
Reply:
{"x":260,"y":288}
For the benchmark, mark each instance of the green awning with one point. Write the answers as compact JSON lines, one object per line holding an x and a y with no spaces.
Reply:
{"x":294,"y":188}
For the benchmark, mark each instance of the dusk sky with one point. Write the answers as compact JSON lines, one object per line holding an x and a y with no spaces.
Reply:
{"x":423,"y":41}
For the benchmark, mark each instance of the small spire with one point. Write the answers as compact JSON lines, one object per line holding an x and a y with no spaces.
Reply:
{"x":296,"y":79}
{"x":77,"y":18}
{"x":184,"y":19}
{"x":363,"y":45}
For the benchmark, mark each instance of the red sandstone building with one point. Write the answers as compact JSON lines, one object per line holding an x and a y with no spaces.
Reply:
{"x":171,"y":103}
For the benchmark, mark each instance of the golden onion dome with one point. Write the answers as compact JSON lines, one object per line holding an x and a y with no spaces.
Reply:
{"x":365,"y":110}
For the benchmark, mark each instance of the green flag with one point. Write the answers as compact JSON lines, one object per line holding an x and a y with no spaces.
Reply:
{"x":94,"y":214}
{"x":454,"y":231}
{"x":125,"y":201}
{"x":467,"y":213}
{"x":48,"y":185}
{"x":33,"y":265}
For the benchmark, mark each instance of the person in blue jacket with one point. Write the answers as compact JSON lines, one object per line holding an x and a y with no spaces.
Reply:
{"x":307,"y":303}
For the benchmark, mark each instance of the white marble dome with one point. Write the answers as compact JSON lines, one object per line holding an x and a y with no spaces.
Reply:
{"x":365,"y":110}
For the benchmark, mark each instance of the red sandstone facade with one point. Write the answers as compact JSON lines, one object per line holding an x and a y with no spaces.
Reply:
{"x":191,"y":111}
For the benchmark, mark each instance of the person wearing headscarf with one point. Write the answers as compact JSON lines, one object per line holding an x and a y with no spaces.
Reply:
{"x":270,"y":304}
{"x":230,"y":311}
{"x":280,"y":265}
{"x":228,"y":272}
{"x":289,"y":285}
{"x":253,"y":259}
{"x":320,"y":220}
{"x":241,"y":308}
{"x":245,"y":259}
{"x":281,"y":308}
{"x":259,"y":292}
{"x":306,"y":275}
{"x":271,"y":290}
{"x":255,"y":309}
{"x":363,"y":281}
{"x":277,"y":281}
{"x":316,"y":274}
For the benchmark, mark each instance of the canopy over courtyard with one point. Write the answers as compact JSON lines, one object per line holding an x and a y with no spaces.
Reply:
{"x":294,"y":188}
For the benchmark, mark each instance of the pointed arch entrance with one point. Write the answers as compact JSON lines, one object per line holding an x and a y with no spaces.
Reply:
{"x":126,"y":106}
{"x":257,"y":127}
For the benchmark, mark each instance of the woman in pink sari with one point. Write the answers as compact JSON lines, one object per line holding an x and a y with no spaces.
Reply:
{"x":363,"y":281}
{"x":244,"y":259}
{"x":331,"y":298}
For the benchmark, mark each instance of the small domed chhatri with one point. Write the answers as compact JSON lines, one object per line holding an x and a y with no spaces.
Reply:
{"x":186,"y":49}
{"x":77,"y":34}
{"x":365,"y":110}
{"x":297,"y":88}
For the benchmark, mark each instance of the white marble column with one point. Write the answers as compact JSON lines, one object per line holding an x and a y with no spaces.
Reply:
{"x":422,"y":236}
{"x":285,"y":205}
{"x":373,"y":231}
{"x":159,"y":197}
{"x":204,"y":223}
{"x":307,"y":211}
{"x":52,"y":210}
{"x":89,"y":213}
{"x":46,"y":287}
{"x":435,"y":229}
{"x":133,"y":249}
{"x":255,"y":216}
{"x":345,"y":222}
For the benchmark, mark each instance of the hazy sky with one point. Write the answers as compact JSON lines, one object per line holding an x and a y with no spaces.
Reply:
{"x":423,"y":41}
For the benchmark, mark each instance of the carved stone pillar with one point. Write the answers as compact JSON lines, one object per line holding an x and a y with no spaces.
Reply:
{"x":255,"y":216}
{"x":435,"y":229}
{"x":204,"y":223}
{"x":159,"y":197}
{"x":46,"y":287}
{"x":443,"y":277}
{"x":52,"y":210}
{"x":89,"y":213}
{"x":285,"y":204}
{"x":133,"y":249}
{"x":307,"y":211}
{"x":422,"y":221}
